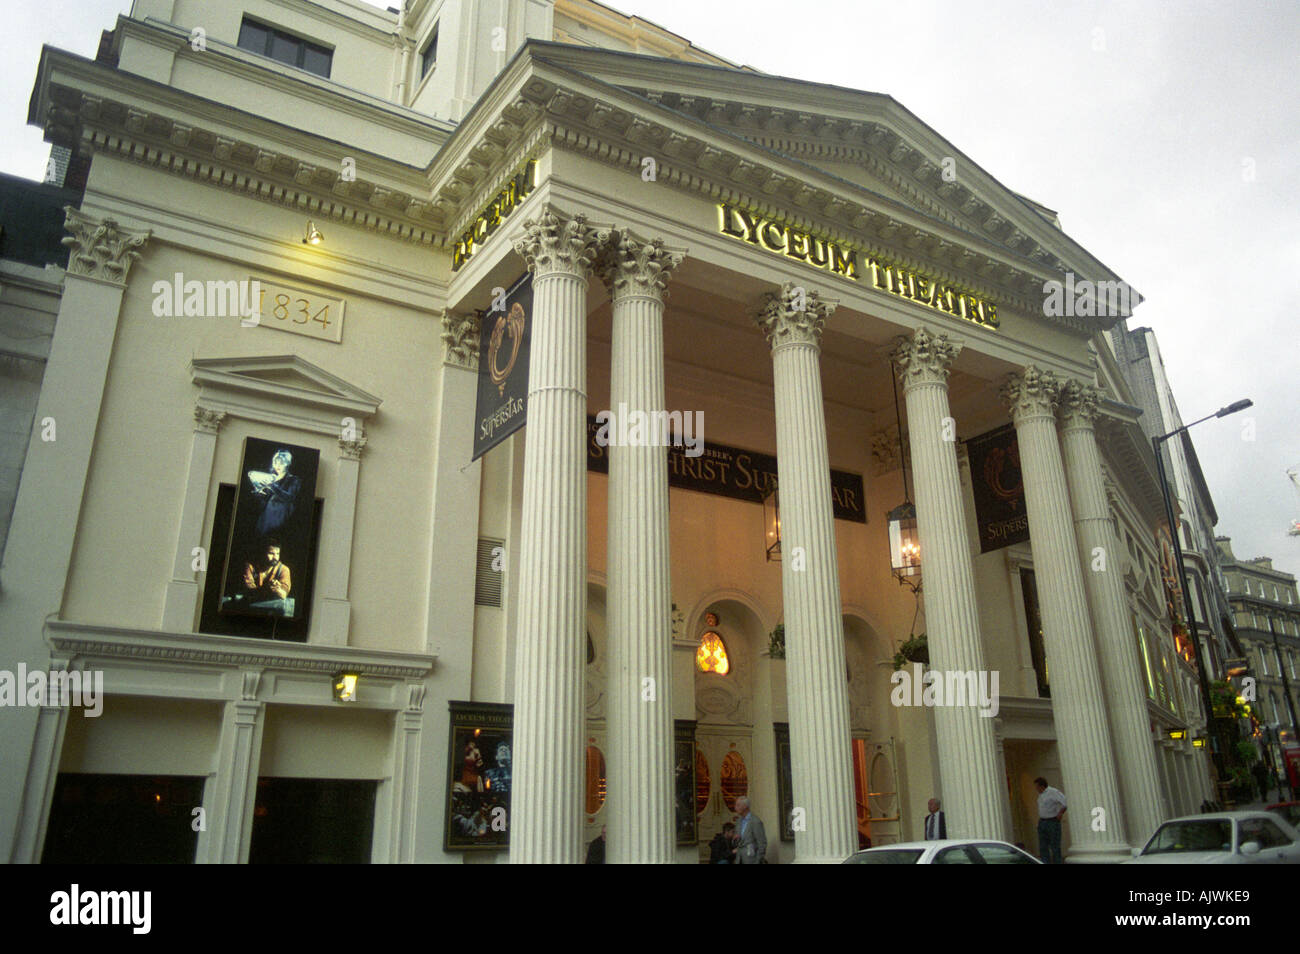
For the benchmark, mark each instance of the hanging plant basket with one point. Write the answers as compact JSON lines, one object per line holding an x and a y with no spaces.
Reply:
{"x":915,"y":650}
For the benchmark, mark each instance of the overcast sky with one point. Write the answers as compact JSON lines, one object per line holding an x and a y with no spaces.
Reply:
{"x":1166,"y":135}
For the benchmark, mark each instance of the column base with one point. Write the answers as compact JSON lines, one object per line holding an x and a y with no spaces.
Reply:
{"x":1099,"y":856}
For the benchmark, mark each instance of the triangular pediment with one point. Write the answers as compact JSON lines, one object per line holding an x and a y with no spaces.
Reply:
{"x":282,"y":382}
{"x":853,"y":164}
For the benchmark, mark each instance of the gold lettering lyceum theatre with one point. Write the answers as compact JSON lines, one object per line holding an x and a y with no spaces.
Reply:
{"x":494,"y":213}
{"x":841,"y":259}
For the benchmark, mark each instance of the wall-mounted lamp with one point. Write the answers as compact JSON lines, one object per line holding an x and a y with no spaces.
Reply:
{"x":312,"y":236}
{"x":345,"y":686}
{"x":772,"y":523}
{"x":1198,"y":743}
{"x":1177,"y":734}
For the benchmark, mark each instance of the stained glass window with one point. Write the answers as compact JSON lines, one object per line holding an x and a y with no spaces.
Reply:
{"x":712,"y":655}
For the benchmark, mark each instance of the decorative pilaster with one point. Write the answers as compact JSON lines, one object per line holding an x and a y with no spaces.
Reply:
{"x":334,"y":570}
{"x":1078,"y":706}
{"x":1099,"y":552}
{"x":640,"y":769}
{"x":183,"y":593}
{"x":551,"y":638}
{"x":229,"y":808}
{"x":44,"y":524}
{"x":973,"y":797}
{"x":821,"y":760}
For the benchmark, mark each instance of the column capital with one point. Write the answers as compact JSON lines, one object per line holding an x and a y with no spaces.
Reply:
{"x":924,"y":357}
{"x":351,"y":449}
{"x":460,"y":339}
{"x":99,"y":248}
{"x":794,"y":315}
{"x":208,"y":421}
{"x":1078,"y":404}
{"x":1031,"y":393}
{"x":558,"y":242}
{"x":633,"y":266}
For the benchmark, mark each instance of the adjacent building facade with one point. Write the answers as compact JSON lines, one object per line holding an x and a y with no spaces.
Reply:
{"x":1266,"y":611}
{"x":437,"y":653}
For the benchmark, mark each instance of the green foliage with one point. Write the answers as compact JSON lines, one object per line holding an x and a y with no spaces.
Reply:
{"x":1224,"y":699}
{"x":776,"y":642}
{"x":1247,"y":752}
{"x":915,"y":650}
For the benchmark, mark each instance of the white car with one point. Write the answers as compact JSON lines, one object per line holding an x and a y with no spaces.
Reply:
{"x":1222,"y":838}
{"x":946,"y":851}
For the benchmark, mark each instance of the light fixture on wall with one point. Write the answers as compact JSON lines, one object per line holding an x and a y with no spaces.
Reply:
{"x":1177,"y":734}
{"x":904,"y":542}
{"x":772,"y":523}
{"x":1198,"y":743}
{"x":345,"y":686}
{"x":313,"y":235}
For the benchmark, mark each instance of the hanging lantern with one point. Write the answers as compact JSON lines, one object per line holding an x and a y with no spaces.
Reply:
{"x":772,"y":524}
{"x":904,"y":545}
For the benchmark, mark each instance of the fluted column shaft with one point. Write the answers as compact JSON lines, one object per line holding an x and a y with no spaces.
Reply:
{"x":639,"y":806}
{"x":974,"y":802}
{"x":1125,"y":698}
{"x":546,"y":801}
{"x":1078,"y":706}
{"x":821,"y":760}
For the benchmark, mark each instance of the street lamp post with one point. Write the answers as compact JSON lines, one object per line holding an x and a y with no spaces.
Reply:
{"x":1203,"y":656}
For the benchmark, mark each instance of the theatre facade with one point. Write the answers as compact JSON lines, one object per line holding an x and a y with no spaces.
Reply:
{"x":457,"y":458}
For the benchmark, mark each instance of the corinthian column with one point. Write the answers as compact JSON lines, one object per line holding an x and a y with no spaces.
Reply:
{"x":821,"y":763}
{"x":973,"y":796}
{"x":547,"y":799}
{"x":640,"y":807}
{"x":1078,"y":706}
{"x":1124,"y":697}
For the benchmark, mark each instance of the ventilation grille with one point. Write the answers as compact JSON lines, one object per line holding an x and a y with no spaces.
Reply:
{"x":487,"y":581}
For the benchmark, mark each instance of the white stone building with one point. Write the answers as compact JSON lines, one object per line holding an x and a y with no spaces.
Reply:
{"x":701,"y":238}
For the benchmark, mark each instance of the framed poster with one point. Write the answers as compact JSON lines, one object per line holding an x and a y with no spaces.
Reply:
{"x":478,"y":776}
{"x":270,"y":536}
{"x":684,"y":782}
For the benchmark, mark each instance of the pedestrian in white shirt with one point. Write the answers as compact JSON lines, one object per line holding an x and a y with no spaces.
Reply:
{"x":1051,"y":809}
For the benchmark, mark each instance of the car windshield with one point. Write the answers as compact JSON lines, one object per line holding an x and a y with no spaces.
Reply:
{"x":1210,"y":834}
{"x":887,"y":856}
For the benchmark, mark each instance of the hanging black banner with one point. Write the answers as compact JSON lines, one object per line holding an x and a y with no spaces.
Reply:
{"x":734,"y":472}
{"x":504,"y":337}
{"x":999,"y":491}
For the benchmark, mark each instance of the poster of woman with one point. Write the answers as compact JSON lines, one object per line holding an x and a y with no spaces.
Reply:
{"x":270,"y":535}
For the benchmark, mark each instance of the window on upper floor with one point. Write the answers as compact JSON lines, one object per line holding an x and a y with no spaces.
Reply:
{"x":1275,"y":596}
{"x":429,"y":55}
{"x":285,"y":47}
{"x":1246,"y":585}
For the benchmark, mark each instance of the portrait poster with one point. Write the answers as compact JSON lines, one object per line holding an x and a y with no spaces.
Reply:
{"x":785,"y":779}
{"x":478,"y":776}
{"x":684,"y":782}
{"x":504,"y":336}
{"x":268,"y":554}
{"x":999,"y":490}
